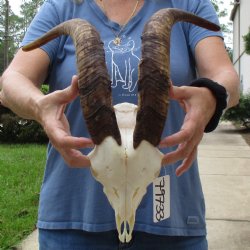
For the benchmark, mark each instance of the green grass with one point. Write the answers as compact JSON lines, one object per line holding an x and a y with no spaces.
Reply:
{"x":21,"y":173}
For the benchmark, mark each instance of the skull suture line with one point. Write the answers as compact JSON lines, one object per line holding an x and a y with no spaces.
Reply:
{"x":126,"y":159}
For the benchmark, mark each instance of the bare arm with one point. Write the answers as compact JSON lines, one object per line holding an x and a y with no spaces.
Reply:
{"x":20,"y":92}
{"x":199,"y":103}
{"x":213,"y":62}
{"x":21,"y":82}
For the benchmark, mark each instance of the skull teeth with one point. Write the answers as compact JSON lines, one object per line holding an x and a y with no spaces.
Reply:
{"x":126,"y":234}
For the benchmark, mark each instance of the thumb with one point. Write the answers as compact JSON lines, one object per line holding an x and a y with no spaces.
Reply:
{"x":179,"y":93}
{"x":71,"y":92}
{"x":74,"y":85}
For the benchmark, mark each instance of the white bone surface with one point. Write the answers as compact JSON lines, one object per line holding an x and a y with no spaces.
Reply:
{"x":124,"y":172}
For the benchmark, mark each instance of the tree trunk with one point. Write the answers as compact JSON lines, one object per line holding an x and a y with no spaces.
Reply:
{"x":6,"y":35}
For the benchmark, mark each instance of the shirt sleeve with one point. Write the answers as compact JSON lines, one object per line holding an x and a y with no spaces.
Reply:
{"x":204,"y":9}
{"x":46,"y":18}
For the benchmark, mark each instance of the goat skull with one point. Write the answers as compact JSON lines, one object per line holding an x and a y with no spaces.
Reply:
{"x":125,"y":159}
{"x":123,"y":171}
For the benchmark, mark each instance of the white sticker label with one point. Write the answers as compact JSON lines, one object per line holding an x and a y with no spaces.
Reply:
{"x":161,"y":199}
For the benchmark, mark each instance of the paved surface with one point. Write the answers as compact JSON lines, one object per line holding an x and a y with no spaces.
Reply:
{"x":224,"y":159}
{"x":30,"y":243}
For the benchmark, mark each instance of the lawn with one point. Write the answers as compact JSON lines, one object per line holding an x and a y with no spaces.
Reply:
{"x":21,"y":172}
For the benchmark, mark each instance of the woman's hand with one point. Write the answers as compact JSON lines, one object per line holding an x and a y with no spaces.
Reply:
{"x":50,"y":110}
{"x":199,"y":105}
{"x":212,"y":62}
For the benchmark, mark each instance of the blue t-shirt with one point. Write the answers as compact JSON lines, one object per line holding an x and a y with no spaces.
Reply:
{"x":72,"y":198}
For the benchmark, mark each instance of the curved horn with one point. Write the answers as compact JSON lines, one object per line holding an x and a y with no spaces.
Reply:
{"x":94,"y":82}
{"x":154,"y":80}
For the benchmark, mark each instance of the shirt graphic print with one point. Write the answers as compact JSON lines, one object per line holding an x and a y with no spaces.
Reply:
{"x":124,"y":65}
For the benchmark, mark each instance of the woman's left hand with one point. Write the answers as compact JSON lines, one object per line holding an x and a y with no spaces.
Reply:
{"x":199,"y":105}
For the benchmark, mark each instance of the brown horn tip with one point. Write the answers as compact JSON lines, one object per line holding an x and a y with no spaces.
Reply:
{"x":154,"y":75}
{"x":94,"y":82}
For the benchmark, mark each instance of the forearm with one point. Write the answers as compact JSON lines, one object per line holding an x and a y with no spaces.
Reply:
{"x":229,"y":79}
{"x":213,"y":62}
{"x":21,"y":83}
{"x":20,"y":95}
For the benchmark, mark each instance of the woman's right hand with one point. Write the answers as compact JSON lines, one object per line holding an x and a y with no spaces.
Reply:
{"x":50,"y":113}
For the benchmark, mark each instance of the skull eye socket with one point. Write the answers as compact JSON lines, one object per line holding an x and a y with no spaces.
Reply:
{"x":135,"y":193}
{"x":116,"y":192}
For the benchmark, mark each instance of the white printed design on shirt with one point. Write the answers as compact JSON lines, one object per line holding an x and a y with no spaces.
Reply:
{"x":128,"y":77}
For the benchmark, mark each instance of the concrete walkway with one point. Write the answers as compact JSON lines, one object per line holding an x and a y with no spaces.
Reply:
{"x":224,"y":159}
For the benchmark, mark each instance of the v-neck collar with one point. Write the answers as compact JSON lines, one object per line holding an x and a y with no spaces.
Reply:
{"x":114,"y":25}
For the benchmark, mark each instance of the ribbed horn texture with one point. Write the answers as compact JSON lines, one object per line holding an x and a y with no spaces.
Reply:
{"x":94,"y":82}
{"x":154,"y":79}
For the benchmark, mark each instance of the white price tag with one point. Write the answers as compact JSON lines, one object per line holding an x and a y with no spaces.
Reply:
{"x":161,"y":198}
